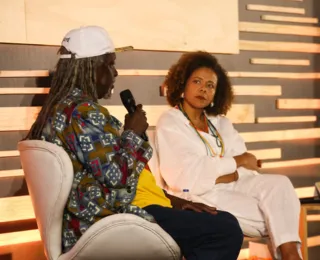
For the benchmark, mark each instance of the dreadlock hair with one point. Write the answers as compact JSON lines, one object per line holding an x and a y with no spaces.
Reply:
{"x":69,"y":74}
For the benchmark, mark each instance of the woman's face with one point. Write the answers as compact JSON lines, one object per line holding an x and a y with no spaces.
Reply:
{"x":201,"y":88}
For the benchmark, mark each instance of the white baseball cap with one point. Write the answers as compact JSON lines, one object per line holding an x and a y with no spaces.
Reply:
{"x":89,"y":41}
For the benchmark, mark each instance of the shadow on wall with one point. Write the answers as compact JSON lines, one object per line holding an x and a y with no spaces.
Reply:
{"x":37,"y":100}
{"x":316,"y":13}
{"x":42,"y":82}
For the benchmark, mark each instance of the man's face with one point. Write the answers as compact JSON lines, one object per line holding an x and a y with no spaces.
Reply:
{"x":106,"y":74}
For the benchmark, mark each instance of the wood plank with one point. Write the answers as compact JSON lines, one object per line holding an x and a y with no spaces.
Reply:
{"x":292,"y":19}
{"x":12,"y":153}
{"x":246,"y":45}
{"x":311,"y":206}
{"x":16,"y":209}
{"x":281,"y":135}
{"x":298,"y":103}
{"x":22,"y":118}
{"x":313,"y":218}
{"x":276,"y":75}
{"x":246,"y":90}
{"x":21,"y":237}
{"x":45,"y":73}
{"x":23,"y":73}
{"x":303,"y":232}
{"x":264,"y":154}
{"x":244,"y":254}
{"x":279,"y":29}
{"x":313,"y":241}
{"x":235,"y":74}
{"x":277,"y":9}
{"x":23,"y":91}
{"x":20,"y":207}
{"x":142,"y":72}
{"x":11,"y":173}
{"x":286,"y":119}
{"x":258,"y":90}
{"x":288,"y":62}
{"x":273,"y":153}
{"x":291,"y":163}
{"x":305,"y":192}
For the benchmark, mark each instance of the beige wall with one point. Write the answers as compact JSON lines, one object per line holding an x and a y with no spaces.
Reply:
{"x":172,"y":25}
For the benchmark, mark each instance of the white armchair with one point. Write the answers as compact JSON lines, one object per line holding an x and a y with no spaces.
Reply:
{"x":49,"y":175}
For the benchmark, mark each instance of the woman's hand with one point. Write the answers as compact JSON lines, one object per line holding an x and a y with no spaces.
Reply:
{"x":248,"y":161}
{"x":178,"y":203}
{"x":228,"y":178}
{"x":199,"y":207}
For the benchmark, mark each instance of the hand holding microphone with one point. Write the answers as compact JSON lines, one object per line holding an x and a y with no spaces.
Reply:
{"x":136,"y":120}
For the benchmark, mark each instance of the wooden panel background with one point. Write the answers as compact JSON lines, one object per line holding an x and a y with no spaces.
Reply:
{"x":12,"y":27}
{"x":151,"y":26}
{"x":276,"y":80}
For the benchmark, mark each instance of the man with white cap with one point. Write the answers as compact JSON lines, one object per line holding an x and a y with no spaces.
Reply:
{"x":111,"y":174}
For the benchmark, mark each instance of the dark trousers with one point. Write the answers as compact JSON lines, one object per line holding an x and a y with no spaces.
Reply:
{"x":201,"y":236}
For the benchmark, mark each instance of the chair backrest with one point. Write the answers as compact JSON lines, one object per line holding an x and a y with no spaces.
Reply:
{"x":49,"y":175}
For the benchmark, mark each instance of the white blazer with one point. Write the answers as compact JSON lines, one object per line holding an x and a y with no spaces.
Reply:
{"x":183,"y":159}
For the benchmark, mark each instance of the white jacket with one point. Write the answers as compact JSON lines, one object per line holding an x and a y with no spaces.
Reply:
{"x":183,"y":159}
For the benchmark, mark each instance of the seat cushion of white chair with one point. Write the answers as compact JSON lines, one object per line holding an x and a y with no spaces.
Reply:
{"x":121,"y":237}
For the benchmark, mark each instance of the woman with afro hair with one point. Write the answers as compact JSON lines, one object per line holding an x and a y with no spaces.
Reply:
{"x":204,"y":159}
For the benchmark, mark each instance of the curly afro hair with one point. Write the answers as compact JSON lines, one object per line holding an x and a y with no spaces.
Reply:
{"x":180,"y":72}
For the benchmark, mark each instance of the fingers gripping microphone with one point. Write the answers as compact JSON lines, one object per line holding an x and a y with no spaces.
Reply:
{"x":130,"y":104}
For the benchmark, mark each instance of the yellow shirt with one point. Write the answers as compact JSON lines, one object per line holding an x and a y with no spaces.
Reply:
{"x":148,"y":193}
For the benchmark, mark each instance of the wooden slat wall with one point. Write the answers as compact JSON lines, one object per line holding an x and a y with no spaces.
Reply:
{"x":21,"y":118}
{"x":240,"y":90}
{"x":280,"y":62}
{"x":278,"y":9}
{"x":292,"y":19}
{"x":247,"y":45}
{"x":279,"y":29}
{"x":298,"y":103}
{"x":276,"y":79}
{"x":232,"y":74}
{"x":287,"y":119}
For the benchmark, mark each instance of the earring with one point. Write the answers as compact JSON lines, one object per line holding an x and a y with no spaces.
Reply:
{"x":211,"y":104}
{"x":182,"y":95}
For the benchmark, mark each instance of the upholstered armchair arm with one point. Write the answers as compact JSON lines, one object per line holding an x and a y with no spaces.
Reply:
{"x":124,"y":236}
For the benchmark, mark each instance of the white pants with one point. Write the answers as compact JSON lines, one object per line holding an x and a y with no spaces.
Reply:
{"x":265,"y":203}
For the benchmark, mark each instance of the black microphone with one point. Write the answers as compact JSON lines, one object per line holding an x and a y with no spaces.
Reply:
{"x":130,"y":104}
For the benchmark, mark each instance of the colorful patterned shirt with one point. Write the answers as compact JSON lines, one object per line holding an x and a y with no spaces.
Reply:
{"x":106,"y":164}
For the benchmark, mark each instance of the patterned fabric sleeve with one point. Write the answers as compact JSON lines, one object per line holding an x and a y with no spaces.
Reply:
{"x":114,"y":161}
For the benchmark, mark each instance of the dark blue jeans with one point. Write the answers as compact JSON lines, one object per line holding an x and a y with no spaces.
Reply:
{"x":201,"y":236}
